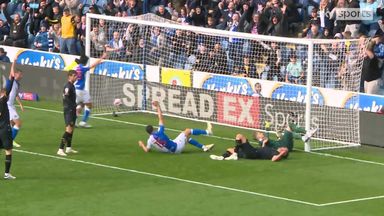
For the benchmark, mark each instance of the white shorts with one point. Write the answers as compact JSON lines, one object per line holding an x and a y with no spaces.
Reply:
{"x":13,"y":113}
{"x":180,"y":141}
{"x":82,"y":96}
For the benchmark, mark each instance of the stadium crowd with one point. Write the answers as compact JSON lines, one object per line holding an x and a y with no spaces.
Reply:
{"x":59,"y":26}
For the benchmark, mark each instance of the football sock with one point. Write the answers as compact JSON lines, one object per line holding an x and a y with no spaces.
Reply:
{"x":64,"y":140}
{"x":198,"y":132}
{"x":8,"y":161}
{"x":195,"y":143}
{"x":87,"y":112}
{"x":15,"y":130}
{"x":69,"y":140}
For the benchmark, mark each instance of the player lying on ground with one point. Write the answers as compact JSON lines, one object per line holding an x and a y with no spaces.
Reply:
{"x":243,"y":149}
{"x":160,"y":141}
{"x":286,"y":138}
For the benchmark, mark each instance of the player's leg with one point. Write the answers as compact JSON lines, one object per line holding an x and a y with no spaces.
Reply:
{"x":6,"y":143}
{"x":8,"y":163}
{"x":187,"y":132}
{"x":226,"y":154}
{"x":66,"y":140}
{"x":15,"y":122}
{"x":87,"y":109}
{"x":240,"y":140}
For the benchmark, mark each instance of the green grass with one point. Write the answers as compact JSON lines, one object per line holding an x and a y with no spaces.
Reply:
{"x":112,"y":176}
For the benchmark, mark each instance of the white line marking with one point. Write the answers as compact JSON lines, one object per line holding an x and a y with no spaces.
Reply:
{"x":353,"y":200}
{"x":168,"y":177}
{"x":206,"y":184}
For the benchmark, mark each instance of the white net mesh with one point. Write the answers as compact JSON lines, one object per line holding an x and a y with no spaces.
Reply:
{"x":227,"y":77}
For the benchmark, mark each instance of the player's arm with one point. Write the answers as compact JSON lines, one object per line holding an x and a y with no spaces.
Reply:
{"x":19,"y":102}
{"x":13,"y":69}
{"x":142,"y":145}
{"x":159,"y":113}
{"x":98,"y":61}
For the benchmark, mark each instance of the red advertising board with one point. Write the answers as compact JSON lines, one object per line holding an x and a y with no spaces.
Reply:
{"x":238,"y":110}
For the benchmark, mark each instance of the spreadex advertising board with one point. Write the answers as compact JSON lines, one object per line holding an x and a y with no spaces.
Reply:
{"x":175,"y":100}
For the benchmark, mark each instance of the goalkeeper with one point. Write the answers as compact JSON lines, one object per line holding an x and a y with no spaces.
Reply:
{"x":83,"y":98}
{"x":286,"y":140}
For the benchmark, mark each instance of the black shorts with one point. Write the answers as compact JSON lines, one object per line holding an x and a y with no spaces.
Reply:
{"x":6,"y":141}
{"x":247,"y":151}
{"x":70,"y":117}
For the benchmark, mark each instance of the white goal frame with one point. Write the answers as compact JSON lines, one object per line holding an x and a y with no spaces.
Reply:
{"x":306,"y":42}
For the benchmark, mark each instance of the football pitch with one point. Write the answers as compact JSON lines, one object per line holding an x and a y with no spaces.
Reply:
{"x":111,"y":175}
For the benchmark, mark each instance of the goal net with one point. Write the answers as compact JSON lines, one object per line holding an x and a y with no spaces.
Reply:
{"x":230,"y":78}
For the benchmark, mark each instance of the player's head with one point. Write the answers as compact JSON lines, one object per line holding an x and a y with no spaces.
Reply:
{"x":72,"y":75}
{"x":82,"y":60}
{"x":258,"y":136}
{"x":149,"y":129}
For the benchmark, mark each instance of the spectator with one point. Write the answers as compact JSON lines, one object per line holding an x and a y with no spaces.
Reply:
{"x":314,"y":20}
{"x":247,"y":68}
{"x":177,"y":57}
{"x":163,"y":13}
{"x":3,"y":56}
{"x":116,"y":47}
{"x":197,"y":17}
{"x":55,"y":16}
{"x":273,"y":62}
{"x":4,"y":30}
{"x":98,"y":40}
{"x":80,"y":30}
{"x":371,"y":73}
{"x":218,"y":60}
{"x":17,"y":36}
{"x":68,"y":39}
{"x":55,"y":34}
{"x":41,"y":39}
{"x":294,"y":73}
{"x":130,"y":40}
{"x":353,"y":25}
{"x":133,"y":8}
{"x":202,"y":61}
{"x":138,"y":55}
{"x":369,"y":27}
{"x":324,"y":15}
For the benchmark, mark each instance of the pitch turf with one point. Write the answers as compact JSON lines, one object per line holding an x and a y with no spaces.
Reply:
{"x":112,"y":176}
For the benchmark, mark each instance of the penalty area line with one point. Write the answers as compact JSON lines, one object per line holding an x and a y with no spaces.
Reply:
{"x":168,"y":177}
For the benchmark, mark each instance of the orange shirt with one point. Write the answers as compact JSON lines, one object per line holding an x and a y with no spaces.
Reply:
{"x":67,"y":27}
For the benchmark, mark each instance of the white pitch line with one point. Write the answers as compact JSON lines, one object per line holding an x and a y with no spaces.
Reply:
{"x":353,"y":200}
{"x":168,"y":177}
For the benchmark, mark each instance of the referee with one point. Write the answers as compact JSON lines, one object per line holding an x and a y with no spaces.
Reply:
{"x":69,"y":104}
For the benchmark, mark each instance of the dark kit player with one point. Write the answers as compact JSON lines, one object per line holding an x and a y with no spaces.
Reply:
{"x":69,"y":104}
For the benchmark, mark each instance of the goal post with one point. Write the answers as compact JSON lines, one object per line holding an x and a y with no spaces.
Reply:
{"x":230,"y":78}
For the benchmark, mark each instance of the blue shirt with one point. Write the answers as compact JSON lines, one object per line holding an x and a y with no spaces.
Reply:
{"x":81,"y":70}
{"x":161,"y":141}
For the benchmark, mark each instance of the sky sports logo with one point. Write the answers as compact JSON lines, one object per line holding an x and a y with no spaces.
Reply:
{"x":354,"y":14}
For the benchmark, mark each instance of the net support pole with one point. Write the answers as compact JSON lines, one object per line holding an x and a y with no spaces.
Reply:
{"x":88,"y":49}
{"x":308,"y":96}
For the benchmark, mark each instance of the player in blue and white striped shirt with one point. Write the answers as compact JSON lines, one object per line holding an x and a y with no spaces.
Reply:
{"x":161,"y":142}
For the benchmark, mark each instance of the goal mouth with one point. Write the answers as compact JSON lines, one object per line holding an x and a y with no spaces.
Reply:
{"x":231,"y":78}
